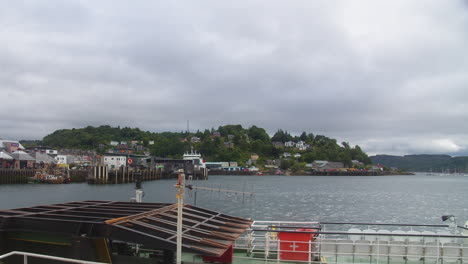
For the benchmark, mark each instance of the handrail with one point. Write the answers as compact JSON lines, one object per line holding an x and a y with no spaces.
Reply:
{"x":361,"y":233}
{"x":27,"y":254}
{"x":380,"y":224}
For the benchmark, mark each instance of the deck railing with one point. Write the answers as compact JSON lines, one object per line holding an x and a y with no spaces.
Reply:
{"x":26,"y":255}
{"x":353,"y":246}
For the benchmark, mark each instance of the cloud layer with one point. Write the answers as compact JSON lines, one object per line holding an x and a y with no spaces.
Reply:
{"x":391,"y":76}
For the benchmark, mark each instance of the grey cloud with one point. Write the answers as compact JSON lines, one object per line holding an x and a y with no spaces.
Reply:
{"x":390,"y":76}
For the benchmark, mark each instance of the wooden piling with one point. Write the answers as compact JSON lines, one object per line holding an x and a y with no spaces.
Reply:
{"x":104,"y":175}
{"x":15,"y":176}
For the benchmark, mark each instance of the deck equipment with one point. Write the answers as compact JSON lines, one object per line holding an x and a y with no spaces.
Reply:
{"x":152,"y":225}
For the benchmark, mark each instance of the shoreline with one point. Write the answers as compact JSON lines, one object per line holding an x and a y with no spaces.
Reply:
{"x":315,"y":173}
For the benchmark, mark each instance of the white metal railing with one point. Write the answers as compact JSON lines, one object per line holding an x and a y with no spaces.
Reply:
{"x":261,"y":242}
{"x":34,"y":255}
{"x":348,"y":251}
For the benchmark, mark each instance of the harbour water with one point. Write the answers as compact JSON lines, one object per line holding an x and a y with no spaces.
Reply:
{"x":392,"y":199}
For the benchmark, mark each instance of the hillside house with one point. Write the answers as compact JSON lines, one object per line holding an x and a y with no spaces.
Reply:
{"x":278,"y":144}
{"x":289,"y":144}
{"x":323,"y":165}
{"x":254,"y":156}
{"x":302,"y":146}
{"x":357,"y":163}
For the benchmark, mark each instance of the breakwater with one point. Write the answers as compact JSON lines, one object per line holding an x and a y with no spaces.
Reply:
{"x":15,"y":176}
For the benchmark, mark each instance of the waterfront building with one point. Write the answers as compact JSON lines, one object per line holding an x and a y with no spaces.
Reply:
{"x":44,"y":150}
{"x":22,"y":160}
{"x":233,"y":168}
{"x":5,"y":159}
{"x":214,"y":165}
{"x":64,"y":159}
{"x":253,"y":168}
{"x":43,"y":159}
{"x":324,"y":165}
{"x":11,"y":146}
{"x":114,"y":161}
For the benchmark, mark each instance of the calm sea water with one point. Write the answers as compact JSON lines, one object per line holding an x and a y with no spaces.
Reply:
{"x":392,"y":199}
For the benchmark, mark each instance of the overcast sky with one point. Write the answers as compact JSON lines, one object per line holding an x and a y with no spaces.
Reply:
{"x":391,"y":76}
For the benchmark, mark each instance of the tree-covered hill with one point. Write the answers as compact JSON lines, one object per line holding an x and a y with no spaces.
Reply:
{"x":226,"y":143}
{"x":424,"y":162}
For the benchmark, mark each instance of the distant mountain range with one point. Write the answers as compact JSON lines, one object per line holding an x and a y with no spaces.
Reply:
{"x":424,"y":162}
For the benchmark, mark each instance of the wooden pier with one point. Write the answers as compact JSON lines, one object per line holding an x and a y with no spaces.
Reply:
{"x":15,"y":176}
{"x":104,"y":175}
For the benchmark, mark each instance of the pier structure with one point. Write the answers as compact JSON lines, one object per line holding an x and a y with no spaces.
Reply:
{"x":173,"y":165}
{"x":15,"y":176}
{"x":104,"y":175}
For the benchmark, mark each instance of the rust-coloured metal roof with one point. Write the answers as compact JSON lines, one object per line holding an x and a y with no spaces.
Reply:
{"x":153,"y":225}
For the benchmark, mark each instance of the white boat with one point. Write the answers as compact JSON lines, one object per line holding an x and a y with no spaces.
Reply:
{"x":197,"y":159}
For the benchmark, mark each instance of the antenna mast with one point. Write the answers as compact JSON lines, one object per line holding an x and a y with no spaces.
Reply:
{"x":180,"y":204}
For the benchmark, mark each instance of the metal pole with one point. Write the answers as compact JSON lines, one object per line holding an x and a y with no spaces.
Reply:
{"x":180,"y":203}
{"x":195,"y":198}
